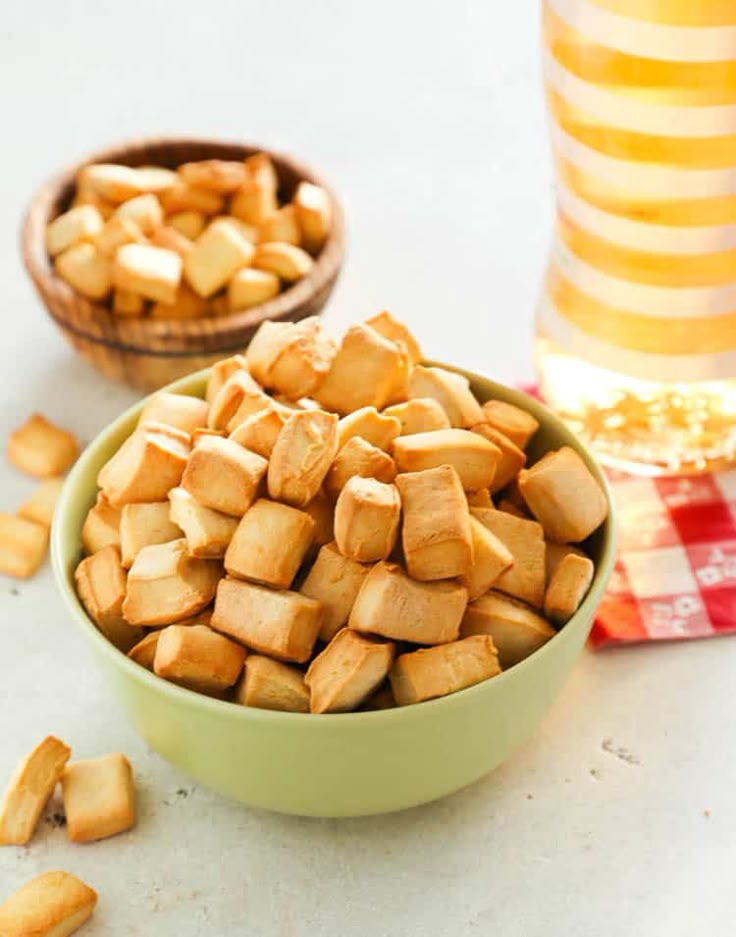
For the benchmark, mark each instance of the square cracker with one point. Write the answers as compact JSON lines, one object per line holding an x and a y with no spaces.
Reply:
{"x":99,"y":798}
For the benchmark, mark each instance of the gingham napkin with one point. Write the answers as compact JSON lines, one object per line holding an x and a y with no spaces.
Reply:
{"x":675,"y":574}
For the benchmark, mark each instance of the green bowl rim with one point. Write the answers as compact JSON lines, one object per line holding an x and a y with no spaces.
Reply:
{"x":316,"y":721}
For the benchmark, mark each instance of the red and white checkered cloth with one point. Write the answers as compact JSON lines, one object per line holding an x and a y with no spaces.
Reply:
{"x":675,"y":574}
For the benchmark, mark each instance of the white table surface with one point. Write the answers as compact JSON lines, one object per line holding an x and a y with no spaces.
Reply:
{"x":428,"y":117}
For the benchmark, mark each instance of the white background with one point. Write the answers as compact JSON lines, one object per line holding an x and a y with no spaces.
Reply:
{"x":428,"y":118}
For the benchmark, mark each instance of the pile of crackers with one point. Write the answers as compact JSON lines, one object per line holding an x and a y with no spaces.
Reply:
{"x":209,"y":238}
{"x":42,"y":450}
{"x":99,"y":801}
{"x":335,"y":527}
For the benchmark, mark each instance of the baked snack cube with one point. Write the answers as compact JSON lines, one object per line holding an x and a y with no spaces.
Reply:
{"x":220,"y":175}
{"x":178,"y":410}
{"x":145,"y":468}
{"x":367,"y":517}
{"x":314,"y":215}
{"x":171,"y":240}
{"x":156,"y":179}
{"x":190,"y":224}
{"x":183,"y":197}
{"x":30,"y":787}
{"x":40,"y":448}
{"x":284,"y":625}
{"x":40,"y":507}
{"x":474,"y":458}
{"x":303,"y":453}
{"x":393,"y":605}
{"x":269,"y":544}
{"x":567,"y":587}
{"x":516,"y":629}
{"x":516,"y":424}
{"x":238,"y":397}
{"x":436,"y":536}
{"x":86,"y":269}
{"x":223,"y":476}
{"x":86,"y":195}
{"x":101,"y":527}
{"x":249,"y":287}
{"x":218,"y":253}
{"x":249,"y":231}
{"x":385,"y":324}
{"x":116,"y":232}
{"x":99,"y":797}
{"x":363,"y":372}
{"x":334,"y":581}
{"x":151,"y":271}
{"x":490,"y":559}
{"x":82,"y":223}
{"x":554,"y":553}
{"x":198,"y":658}
{"x":524,"y":539}
{"x":253,"y":202}
{"x":367,"y":423}
{"x":54,"y":904}
{"x":286,"y":261}
{"x":564,"y":496}
{"x":259,"y":431}
{"x":511,"y":459}
{"x":112,"y":181}
{"x":358,"y":458}
{"x":452,"y":391}
{"x":23,"y":545}
{"x":256,"y":200}
{"x":221,"y":371}
{"x":281,"y":226}
{"x":347,"y":671}
{"x":437,"y":671}
{"x":166,"y":585}
{"x":144,"y":210}
{"x":144,"y":651}
{"x":142,"y":525}
{"x":101,"y":585}
{"x":208,"y":533}
{"x":291,"y":358}
{"x":419,"y":415}
{"x":399,"y":391}
{"x":271,"y":684}
{"x":322,"y":511}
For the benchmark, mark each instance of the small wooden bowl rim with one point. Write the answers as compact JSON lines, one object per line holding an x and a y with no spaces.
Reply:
{"x":185,"y":336}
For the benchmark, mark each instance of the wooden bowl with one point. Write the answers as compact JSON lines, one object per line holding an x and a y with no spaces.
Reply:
{"x":148,"y":353}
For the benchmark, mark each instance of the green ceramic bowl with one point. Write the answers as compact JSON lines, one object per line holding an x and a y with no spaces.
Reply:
{"x":331,"y":765}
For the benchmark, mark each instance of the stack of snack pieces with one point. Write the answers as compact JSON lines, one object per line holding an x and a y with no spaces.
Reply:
{"x":99,"y":801}
{"x":45,"y":451}
{"x":209,"y":238}
{"x":320,"y":535}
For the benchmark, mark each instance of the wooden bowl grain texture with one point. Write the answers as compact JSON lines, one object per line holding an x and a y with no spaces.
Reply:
{"x":148,"y":353}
